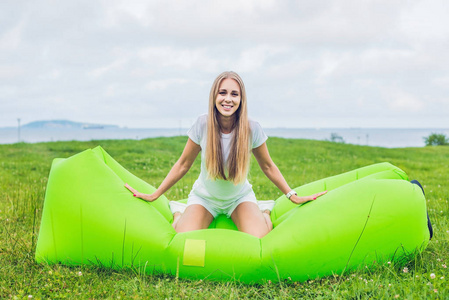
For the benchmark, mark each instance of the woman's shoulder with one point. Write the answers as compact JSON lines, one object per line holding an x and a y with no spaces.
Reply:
{"x":254,"y":125}
{"x":201,"y":122}
{"x":257,"y":133}
{"x":198,"y":129}
{"x":202,"y":118}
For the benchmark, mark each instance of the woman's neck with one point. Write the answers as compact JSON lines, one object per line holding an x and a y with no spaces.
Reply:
{"x":226,"y":124}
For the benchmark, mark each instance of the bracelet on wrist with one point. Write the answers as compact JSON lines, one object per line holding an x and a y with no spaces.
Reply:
{"x":290,"y":194}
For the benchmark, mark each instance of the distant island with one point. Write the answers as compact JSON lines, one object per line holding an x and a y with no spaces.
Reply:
{"x":65,"y":124}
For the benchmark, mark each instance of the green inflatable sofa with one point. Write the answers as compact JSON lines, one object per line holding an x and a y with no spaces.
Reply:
{"x":370,"y":215}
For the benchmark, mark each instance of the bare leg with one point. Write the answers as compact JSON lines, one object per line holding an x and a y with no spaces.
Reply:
{"x":248,"y":218}
{"x":195,"y":217}
{"x":266,"y":215}
{"x":176,"y":216}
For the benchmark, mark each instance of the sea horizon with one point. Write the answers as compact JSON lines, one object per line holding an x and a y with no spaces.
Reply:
{"x":377,"y":137}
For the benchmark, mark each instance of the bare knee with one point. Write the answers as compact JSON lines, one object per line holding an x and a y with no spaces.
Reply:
{"x":249,"y":219}
{"x":260,"y":233}
{"x":195,"y":217}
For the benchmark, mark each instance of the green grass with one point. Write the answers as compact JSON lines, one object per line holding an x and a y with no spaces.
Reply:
{"x":23,"y":177}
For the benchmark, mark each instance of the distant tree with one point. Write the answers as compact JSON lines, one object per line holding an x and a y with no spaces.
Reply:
{"x":436,"y":139}
{"x":336,"y":138}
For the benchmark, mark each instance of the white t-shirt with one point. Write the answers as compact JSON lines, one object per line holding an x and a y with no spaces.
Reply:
{"x":219,"y":189}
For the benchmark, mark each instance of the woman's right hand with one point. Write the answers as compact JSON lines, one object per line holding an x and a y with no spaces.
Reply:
{"x":298,"y":199}
{"x":146,"y":197}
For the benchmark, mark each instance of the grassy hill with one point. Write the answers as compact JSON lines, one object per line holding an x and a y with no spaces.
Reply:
{"x":24,"y":171}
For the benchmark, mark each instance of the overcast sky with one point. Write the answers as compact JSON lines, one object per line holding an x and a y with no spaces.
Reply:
{"x":143,"y":64}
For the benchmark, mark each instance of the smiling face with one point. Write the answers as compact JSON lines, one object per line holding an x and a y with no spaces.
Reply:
{"x":228,"y":98}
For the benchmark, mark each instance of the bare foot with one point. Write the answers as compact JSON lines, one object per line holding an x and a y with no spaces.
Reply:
{"x":266,"y":215}
{"x":176,"y":216}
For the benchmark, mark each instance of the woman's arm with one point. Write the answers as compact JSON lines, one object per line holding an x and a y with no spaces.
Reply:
{"x":178,"y":170}
{"x":272,"y":172}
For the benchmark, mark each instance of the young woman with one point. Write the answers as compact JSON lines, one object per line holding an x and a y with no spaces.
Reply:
{"x":225,"y":137}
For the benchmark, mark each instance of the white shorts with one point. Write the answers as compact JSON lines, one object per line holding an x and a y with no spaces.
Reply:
{"x":176,"y":206}
{"x":217,"y":207}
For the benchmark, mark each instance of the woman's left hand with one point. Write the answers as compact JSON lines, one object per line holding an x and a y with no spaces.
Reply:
{"x":146,"y":197}
{"x":302,"y":199}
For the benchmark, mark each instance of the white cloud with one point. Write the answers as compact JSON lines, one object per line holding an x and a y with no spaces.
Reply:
{"x":11,"y":38}
{"x":329,"y":65}
{"x":114,"y":66}
{"x":256,"y":58}
{"x":164,"y":84}
{"x":9,"y":71}
{"x":117,"y":11}
{"x":425,"y":21}
{"x":50,"y":75}
{"x":441,"y":82}
{"x":179,"y":58}
{"x":343,"y":63}
{"x":402,"y":101}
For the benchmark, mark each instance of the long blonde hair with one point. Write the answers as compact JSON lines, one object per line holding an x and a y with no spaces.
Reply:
{"x":240,"y":152}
